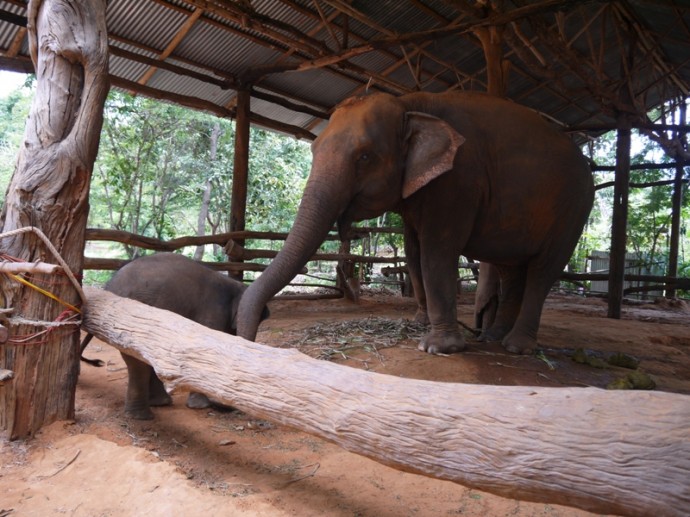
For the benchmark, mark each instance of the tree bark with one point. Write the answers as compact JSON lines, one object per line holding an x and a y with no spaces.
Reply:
{"x":618,"y":452}
{"x":49,"y":190}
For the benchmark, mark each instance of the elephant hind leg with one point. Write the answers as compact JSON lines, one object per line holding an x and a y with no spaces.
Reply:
{"x":196,"y":400}
{"x":158,"y":395}
{"x":512,"y":287}
{"x":138,"y":383}
{"x":486,"y":297}
{"x":522,"y":339}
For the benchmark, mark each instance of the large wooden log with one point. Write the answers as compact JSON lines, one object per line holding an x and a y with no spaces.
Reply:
{"x":620,"y":452}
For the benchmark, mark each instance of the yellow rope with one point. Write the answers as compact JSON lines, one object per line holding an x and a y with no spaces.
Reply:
{"x":42,"y":291}
{"x":53,"y":250}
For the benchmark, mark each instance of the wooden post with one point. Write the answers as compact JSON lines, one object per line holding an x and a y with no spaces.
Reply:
{"x":491,"y":39}
{"x":49,"y":190}
{"x":676,"y":207}
{"x":607,"y":451}
{"x":240,"y":175}
{"x":620,"y":218}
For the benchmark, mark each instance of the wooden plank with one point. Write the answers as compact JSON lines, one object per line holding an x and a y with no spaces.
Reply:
{"x":621,"y":452}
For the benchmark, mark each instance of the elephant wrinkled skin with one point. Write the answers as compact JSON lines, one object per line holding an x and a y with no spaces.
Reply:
{"x":471,"y":175}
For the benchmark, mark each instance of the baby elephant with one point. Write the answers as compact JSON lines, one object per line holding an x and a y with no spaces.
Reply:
{"x":185,"y":287}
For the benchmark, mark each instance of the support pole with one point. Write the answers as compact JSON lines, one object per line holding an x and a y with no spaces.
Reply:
{"x":240,"y":176}
{"x":676,"y":207}
{"x":491,"y":39}
{"x":620,"y":218}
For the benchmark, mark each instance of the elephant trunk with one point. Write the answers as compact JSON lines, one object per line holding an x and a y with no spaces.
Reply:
{"x":322,"y":203}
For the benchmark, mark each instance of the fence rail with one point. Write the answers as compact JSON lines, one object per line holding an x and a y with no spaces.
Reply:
{"x":345,"y":282}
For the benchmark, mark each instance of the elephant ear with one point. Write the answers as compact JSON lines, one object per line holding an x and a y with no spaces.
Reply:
{"x":431,"y":147}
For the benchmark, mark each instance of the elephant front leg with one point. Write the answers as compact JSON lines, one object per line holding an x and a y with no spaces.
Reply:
{"x":440,"y":281}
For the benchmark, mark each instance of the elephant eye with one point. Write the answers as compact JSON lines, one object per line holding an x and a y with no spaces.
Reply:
{"x":364,"y":157}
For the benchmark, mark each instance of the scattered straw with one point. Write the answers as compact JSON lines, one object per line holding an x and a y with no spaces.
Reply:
{"x":336,"y":339}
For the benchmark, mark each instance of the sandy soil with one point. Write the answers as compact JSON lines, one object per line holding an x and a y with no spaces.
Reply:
{"x":220,"y":462}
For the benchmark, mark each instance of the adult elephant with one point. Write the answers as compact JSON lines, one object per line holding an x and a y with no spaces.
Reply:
{"x":471,"y":174}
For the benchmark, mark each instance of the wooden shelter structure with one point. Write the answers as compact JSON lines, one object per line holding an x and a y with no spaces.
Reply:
{"x":589,"y":66}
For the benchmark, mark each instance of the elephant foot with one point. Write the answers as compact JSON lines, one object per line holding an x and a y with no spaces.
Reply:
{"x":493,"y":333}
{"x":519,"y":344}
{"x":421,"y":317}
{"x":198,"y":401}
{"x":161,"y":399}
{"x":437,"y":343}
{"x":138,"y":412}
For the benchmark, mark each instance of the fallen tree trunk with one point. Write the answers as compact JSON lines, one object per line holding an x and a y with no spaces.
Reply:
{"x":622,"y":452}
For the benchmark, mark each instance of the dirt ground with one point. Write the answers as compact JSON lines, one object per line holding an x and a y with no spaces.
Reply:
{"x":220,"y":462}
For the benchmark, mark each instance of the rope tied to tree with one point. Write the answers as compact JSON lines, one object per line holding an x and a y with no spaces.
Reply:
{"x":57,"y":256}
{"x":66,"y":319}
{"x":50,"y":295}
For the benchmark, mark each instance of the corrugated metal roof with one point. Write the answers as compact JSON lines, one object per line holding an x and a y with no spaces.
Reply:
{"x":566,"y":62}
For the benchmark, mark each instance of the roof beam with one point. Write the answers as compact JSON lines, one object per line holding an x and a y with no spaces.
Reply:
{"x":357,"y":15}
{"x":177,"y":39}
{"x":203,"y":105}
{"x":428,"y":35}
{"x":222,"y":79}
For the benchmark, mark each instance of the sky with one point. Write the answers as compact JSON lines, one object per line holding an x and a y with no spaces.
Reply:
{"x":10,"y":81}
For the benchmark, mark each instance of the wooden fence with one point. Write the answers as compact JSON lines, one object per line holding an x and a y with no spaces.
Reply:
{"x":344,"y":281}
{"x":348,"y":266}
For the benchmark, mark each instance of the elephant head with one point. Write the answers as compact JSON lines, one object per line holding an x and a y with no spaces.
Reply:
{"x":372,"y":155}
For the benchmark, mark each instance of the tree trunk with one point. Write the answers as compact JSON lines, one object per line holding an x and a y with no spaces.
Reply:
{"x":621,"y":452}
{"x":491,"y":39}
{"x":49,"y":190}
{"x":206,"y":199}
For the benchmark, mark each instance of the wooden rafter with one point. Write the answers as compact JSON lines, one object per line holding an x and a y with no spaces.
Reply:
{"x":564,"y":50}
{"x":350,"y":11}
{"x":202,"y":105}
{"x":177,"y":39}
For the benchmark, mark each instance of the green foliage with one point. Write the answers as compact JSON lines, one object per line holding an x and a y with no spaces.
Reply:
{"x":649,"y":214}
{"x":14,"y":109}
{"x":278,"y":169}
{"x":150,"y":166}
{"x":155,"y":162}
